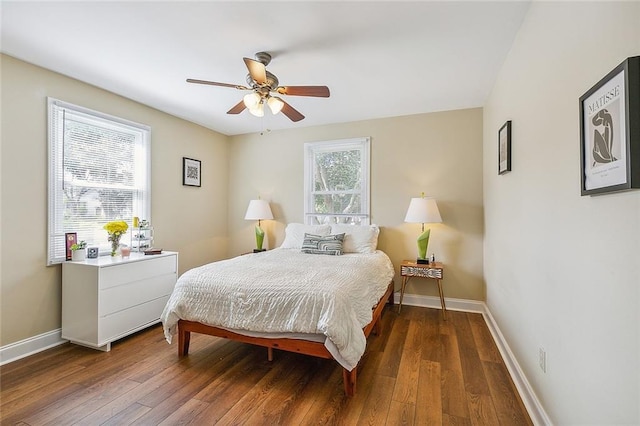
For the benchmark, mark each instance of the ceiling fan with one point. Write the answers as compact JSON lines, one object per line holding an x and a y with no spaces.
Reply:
{"x":262,"y":84}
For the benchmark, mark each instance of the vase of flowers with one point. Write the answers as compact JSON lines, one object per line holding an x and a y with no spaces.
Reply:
{"x":116,"y":230}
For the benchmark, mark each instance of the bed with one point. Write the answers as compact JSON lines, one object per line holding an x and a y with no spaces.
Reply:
{"x":295,"y":298}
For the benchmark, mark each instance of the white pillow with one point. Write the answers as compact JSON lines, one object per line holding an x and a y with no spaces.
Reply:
{"x":358,"y":239}
{"x":294,"y":234}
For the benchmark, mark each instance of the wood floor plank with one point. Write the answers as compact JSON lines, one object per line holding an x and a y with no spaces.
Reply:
{"x":481,"y":410}
{"x":238,"y":414}
{"x":168,"y":375}
{"x":328,"y":403}
{"x":15,"y":397}
{"x":166,"y":398}
{"x":429,"y":398}
{"x":451,"y":420}
{"x":421,"y":370}
{"x":277,"y":403}
{"x":393,"y":351}
{"x":509,"y":410}
{"x":126,"y":416}
{"x":376,"y":407}
{"x":484,"y":343}
{"x":71,"y":408}
{"x":190,"y":374}
{"x":16,"y":410}
{"x":401,"y":414}
{"x":431,"y":348}
{"x":185,"y":413}
{"x":405,"y":389}
{"x":378,"y":343}
{"x":453,"y":393}
{"x":366,"y":375}
{"x":474,"y":380}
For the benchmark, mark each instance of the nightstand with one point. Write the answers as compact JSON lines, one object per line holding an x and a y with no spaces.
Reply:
{"x":434,"y":270}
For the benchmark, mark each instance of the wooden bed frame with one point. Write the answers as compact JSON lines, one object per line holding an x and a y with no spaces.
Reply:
{"x":317,"y":349}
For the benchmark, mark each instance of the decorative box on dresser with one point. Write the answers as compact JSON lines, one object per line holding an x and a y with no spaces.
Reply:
{"x":108,"y":298}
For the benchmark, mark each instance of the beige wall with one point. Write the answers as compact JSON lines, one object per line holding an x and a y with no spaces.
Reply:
{"x":437,"y":153}
{"x":562,"y":270}
{"x":189,"y":220}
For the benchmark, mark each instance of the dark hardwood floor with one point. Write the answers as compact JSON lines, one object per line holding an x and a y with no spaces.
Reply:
{"x":421,"y":370}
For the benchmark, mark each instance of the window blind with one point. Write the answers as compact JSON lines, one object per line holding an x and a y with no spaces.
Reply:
{"x":337,"y":181}
{"x":99,"y":171}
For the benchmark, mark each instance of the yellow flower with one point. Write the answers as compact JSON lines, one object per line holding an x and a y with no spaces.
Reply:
{"x":117,"y":227}
{"x":115,"y":230}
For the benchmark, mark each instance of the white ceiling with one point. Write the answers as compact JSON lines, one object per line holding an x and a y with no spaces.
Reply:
{"x":379,"y":59}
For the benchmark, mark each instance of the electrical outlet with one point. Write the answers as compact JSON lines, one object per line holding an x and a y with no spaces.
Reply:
{"x":542,"y":359}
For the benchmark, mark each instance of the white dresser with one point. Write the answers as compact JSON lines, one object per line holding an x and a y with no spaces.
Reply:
{"x":107,"y":298}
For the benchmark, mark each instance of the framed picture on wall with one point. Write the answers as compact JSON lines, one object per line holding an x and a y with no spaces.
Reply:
{"x":610,"y":131}
{"x":70,"y":238}
{"x":504,"y":148}
{"x":191,"y":172}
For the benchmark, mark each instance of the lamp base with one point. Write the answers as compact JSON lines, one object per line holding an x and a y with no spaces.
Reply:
{"x":422,"y":261}
{"x":259,"y":250}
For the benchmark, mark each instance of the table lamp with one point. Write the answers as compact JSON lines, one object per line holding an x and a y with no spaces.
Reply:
{"x":258,"y":210}
{"x":423,"y":210}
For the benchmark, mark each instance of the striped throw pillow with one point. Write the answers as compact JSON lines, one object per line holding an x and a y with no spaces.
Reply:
{"x":316,"y":244}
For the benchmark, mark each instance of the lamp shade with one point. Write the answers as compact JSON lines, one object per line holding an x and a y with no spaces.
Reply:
{"x":251,"y":100}
{"x":257,"y":110}
{"x":423,"y":210}
{"x":275,"y":104}
{"x":258,"y":210}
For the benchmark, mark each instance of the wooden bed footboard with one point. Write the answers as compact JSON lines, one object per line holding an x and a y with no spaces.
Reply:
{"x":317,"y":349}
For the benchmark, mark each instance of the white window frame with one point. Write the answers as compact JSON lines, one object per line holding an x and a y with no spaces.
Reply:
{"x":311,"y":149}
{"x":142,"y":201}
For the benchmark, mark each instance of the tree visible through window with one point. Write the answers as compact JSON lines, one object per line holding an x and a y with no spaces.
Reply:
{"x":337,"y":181}
{"x":99,"y":172}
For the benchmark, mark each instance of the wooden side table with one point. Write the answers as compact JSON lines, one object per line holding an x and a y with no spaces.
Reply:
{"x":432,"y":270}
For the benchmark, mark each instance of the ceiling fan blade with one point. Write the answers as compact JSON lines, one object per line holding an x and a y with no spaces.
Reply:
{"x":317,"y":91}
{"x":215,"y":83}
{"x":257,"y":70}
{"x":293,"y":114}
{"x":238,"y":108}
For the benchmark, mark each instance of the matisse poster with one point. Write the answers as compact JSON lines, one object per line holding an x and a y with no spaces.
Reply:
{"x":604,"y":135}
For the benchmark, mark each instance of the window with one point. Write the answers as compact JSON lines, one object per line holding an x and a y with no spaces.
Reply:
{"x":99,"y":171}
{"x":337,"y":181}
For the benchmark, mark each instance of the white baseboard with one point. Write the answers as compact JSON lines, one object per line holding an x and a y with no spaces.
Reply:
{"x":529,"y":398}
{"x":32,"y":345}
{"x":463,"y":305}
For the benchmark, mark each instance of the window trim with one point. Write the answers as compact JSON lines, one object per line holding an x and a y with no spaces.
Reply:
{"x":106,"y":120}
{"x":363,"y":144}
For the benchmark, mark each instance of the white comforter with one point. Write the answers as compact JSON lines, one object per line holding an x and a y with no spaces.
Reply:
{"x":285,"y":291}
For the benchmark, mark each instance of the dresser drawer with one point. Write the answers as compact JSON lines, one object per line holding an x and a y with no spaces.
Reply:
{"x":112,"y":276}
{"x":114,"y":299}
{"x":413,"y":271}
{"x":124,"y":322}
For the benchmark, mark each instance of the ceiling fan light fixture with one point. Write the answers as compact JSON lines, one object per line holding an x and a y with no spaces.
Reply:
{"x":251,"y":100}
{"x":261,"y":84}
{"x":275,"y":104}
{"x":257,"y":110}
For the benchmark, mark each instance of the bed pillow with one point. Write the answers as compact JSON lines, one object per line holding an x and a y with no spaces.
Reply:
{"x":294,"y":234}
{"x":358,"y":238}
{"x":316,"y":244}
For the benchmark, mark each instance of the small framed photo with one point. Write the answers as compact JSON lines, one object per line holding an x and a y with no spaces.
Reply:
{"x":191,"y":172}
{"x":610,"y":131}
{"x":504,"y":148}
{"x":70,"y":238}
